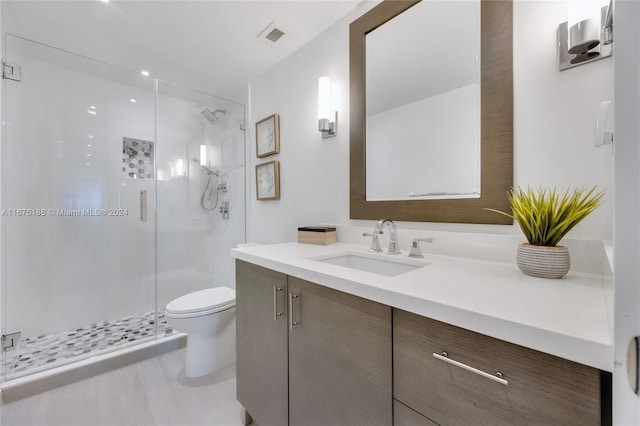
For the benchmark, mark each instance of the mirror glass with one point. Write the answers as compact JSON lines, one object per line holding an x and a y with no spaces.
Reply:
{"x":426,"y":171}
{"x":423,"y":103}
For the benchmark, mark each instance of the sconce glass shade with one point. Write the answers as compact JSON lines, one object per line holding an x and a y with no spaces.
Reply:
{"x":203,"y":155}
{"x":327,"y":117}
{"x":180,"y":167}
{"x":584,"y":36}
{"x":324,"y":98}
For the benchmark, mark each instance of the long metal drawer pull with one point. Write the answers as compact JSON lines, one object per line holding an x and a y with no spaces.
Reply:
{"x":498,"y":377}
{"x":291,"y":321}
{"x":276,"y":314}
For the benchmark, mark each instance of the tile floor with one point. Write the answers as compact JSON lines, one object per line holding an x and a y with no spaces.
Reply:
{"x":46,"y":351}
{"x":151,"y":392}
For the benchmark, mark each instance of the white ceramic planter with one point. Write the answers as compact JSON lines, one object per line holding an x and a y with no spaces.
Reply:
{"x":543,"y":262}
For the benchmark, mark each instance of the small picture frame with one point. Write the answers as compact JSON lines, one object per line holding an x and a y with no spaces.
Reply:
{"x":268,"y":136}
{"x":268,"y":180}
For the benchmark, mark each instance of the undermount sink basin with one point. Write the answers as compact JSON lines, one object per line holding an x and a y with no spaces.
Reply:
{"x":376,"y":264}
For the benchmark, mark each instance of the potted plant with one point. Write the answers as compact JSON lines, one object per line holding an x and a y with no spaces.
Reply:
{"x":545,"y":217}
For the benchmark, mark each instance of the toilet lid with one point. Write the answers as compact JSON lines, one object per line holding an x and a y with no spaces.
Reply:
{"x":202,"y":300}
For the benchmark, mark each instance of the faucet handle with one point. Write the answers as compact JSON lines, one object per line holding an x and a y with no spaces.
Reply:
{"x":415,"y":247}
{"x":375,"y":242}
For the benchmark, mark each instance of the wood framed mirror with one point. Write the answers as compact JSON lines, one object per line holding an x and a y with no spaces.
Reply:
{"x":496,"y":123}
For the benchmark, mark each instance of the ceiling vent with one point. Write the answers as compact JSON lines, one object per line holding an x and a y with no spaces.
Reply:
{"x":271,"y":34}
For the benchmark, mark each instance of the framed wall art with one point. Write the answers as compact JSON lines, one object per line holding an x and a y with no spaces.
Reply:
{"x":268,"y":136}
{"x":268,"y":180}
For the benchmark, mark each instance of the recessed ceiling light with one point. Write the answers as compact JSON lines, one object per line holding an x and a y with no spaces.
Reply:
{"x":92,"y":107}
{"x":132,"y":100}
{"x":92,"y":112}
{"x":90,"y":136}
{"x":105,"y":1}
{"x":89,"y":145}
{"x":145,"y":73}
{"x":88,"y":155}
{"x":88,"y":164}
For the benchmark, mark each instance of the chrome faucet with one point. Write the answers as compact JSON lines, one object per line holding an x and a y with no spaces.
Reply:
{"x":393,"y":234}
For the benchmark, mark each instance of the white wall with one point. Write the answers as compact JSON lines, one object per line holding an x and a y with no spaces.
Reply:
{"x":554,"y":113}
{"x":314,"y":172}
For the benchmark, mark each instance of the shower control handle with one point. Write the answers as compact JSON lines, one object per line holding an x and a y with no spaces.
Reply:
{"x":143,"y":205}
{"x":276,"y":314}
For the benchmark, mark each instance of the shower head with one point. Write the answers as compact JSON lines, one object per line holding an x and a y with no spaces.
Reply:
{"x":206,"y":169}
{"x":210,"y":116}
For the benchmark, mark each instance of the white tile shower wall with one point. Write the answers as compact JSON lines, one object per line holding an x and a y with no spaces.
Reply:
{"x":194,"y":243}
{"x":554,"y":114}
{"x":65,"y":272}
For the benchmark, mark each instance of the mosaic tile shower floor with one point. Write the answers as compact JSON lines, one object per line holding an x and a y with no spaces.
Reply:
{"x":46,"y":351}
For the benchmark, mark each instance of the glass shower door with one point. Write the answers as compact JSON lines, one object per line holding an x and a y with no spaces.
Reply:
{"x":78,"y":212}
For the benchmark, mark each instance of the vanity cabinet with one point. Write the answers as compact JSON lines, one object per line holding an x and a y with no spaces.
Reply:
{"x":310,"y":355}
{"x":521,"y":387}
{"x":261,"y":343}
{"x":339,"y":358}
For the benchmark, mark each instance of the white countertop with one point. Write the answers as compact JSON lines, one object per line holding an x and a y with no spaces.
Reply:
{"x":568,"y":317}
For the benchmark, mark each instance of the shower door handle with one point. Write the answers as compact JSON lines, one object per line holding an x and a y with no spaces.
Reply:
{"x":143,"y":205}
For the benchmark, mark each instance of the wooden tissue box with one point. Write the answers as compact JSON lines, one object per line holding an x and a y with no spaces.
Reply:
{"x":320,"y":235}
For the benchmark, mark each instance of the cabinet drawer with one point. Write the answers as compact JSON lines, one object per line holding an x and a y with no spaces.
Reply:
{"x":538,"y":389}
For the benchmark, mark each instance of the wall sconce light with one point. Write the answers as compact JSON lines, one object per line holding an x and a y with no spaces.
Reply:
{"x":585,"y":39}
{"x":203,"y":155}
{"x":327,"y":118}
{"x":180,"y":171}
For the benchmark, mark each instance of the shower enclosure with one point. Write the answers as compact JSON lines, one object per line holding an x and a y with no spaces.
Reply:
{"x":120,"y":192}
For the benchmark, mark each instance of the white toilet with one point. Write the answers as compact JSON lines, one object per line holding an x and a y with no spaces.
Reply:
{"x":208,"y":317}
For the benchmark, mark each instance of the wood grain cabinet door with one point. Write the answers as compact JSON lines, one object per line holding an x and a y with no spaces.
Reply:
{"x":405,"y":416}
{"x":261,"y":343}
{"x":339,"y":358}
{"x":540,"y":389}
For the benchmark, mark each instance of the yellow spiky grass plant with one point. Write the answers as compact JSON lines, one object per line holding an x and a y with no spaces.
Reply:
{"x":545,"y":216}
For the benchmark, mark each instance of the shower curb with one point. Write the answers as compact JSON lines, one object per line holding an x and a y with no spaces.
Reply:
{"x":24,"y":387}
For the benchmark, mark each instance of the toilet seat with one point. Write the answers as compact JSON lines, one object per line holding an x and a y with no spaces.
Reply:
{"x":203,"y":302}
